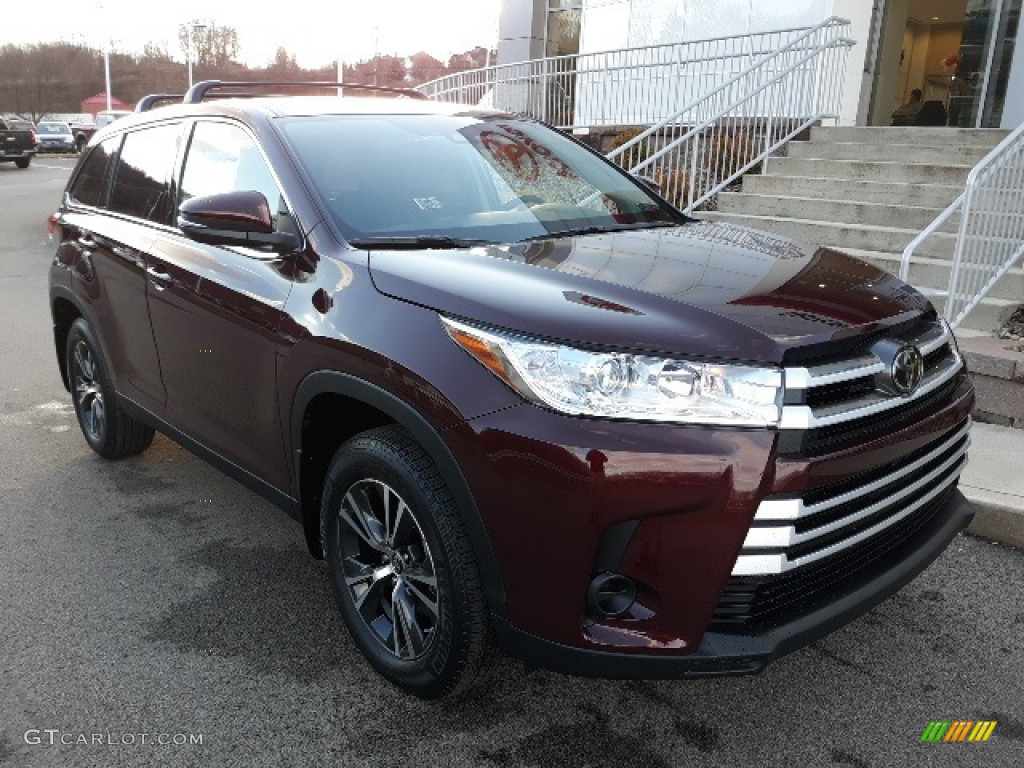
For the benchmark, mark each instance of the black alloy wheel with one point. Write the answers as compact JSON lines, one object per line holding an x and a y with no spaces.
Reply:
{"x":401,"y":566}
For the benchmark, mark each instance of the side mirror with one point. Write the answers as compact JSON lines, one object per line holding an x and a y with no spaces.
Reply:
{"x":233,"y":218}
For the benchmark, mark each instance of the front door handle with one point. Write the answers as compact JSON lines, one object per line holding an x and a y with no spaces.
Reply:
{"x":158,"y":277}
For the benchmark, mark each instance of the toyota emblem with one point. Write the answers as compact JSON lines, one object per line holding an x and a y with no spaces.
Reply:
{"x":907,"y":370}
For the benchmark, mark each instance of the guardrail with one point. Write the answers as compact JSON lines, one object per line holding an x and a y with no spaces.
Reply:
{"x":707,"y":145}
{"x":990,"y":237}
{"x":630,"y":86}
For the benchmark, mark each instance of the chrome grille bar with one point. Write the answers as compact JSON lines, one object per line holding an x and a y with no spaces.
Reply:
{"x":752,"y":563}
{"x":859,"y":367}
{"x":794,"y":509}
{"x":787,"y":536}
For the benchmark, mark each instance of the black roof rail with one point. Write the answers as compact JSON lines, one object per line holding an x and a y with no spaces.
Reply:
{"x":199,"y":90}
{"x":146,"y":103}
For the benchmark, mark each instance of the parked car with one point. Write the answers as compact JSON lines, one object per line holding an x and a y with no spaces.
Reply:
{"x":107,"y":116}
{"x":83,"y":132}
{"x":509,"y":392}
{"x":15,"y":124}
{"x":18,"y":144}
{"x":55,"y":136}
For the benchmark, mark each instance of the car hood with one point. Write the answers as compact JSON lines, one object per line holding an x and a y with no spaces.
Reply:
{"x":704,"y":289}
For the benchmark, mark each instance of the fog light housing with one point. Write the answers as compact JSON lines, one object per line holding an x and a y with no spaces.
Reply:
{"x":610,"y":595}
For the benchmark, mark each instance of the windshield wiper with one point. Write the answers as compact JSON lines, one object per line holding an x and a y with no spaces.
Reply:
{"x":573,"y":231}
{"x":416,"y":241}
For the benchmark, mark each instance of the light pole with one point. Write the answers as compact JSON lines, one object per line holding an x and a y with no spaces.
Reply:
{"x":191,"y":37}
{"x":106,"y":58}
{"x":106,"y":72}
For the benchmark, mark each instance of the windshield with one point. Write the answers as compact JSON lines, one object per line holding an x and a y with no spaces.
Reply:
{"x":465,"y":178}
{"x":53,"y":128}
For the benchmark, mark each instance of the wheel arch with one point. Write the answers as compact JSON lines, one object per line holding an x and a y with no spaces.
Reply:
{"x":65,"y":310}
{"x":391,"y":409}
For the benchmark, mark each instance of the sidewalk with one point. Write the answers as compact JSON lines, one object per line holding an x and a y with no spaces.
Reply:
{"x":993,"y":482}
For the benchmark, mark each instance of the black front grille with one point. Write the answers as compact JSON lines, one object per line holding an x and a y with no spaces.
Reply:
{"x":812,"y":442}
{"x":756,"y":603}
{"x":840,"y":392}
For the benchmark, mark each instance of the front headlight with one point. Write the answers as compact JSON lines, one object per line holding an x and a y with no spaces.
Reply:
{"x":618,"y":385}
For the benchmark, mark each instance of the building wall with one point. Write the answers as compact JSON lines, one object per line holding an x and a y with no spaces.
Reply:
{"x":1013,"y":109}
{"x":859,"y":70}
{"x":521,"y":30}
{"x":611,"y":24}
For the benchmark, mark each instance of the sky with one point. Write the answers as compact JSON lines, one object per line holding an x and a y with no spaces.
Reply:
{"x":314,"y":31}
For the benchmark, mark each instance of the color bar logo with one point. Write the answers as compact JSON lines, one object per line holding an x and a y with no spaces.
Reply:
{"x":958,"y":730}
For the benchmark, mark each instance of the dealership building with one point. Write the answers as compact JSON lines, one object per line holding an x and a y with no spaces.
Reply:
{"x":962,"y":53}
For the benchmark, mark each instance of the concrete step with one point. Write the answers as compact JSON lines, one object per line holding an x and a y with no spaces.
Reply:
{"x":984,"y":137}
{"x":858,"y":170}
{"x":864,"y":237}
{"x":837,"y":211}
{"x":894,"y":153}
{"x":996,"y":367}
{"x":892,"y":193}
{"x":989,"y":482}
{"x":934,"y":273}
{"x":988,"y":316}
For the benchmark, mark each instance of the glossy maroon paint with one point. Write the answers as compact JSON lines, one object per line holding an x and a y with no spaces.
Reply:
{"x":704,"y":289}
{"x":218,"y":342}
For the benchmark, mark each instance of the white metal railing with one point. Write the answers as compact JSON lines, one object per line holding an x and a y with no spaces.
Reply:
{"x":990,"y":237}
{"x":631,"y":86}
{"x":700,"y":149}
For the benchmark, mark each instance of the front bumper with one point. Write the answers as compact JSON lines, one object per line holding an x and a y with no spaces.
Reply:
{"x":722,"y":653}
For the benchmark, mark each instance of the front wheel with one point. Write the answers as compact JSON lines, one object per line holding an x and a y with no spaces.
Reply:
{"x":401,"y":566}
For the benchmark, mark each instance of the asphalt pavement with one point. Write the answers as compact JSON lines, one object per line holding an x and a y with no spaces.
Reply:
{"x":154,"y":600}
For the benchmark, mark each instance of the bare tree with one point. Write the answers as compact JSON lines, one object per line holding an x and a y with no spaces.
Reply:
{"x":208,"y":44}
{"x":49,"y":77}
{"x":424,"y":67}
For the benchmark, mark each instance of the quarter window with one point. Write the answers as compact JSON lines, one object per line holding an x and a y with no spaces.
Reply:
{"x":90,"y":184}
{"x":224,"y":158}
{"x":144,"y":172}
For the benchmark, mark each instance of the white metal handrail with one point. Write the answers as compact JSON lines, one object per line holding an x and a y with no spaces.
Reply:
{"x":990,"y":237}
{"x":700,"y":149}
{"x":625,"y":87}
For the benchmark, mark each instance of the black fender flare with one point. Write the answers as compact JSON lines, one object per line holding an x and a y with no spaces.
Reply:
{"x":84,"y":311}
{"x":403,"y":414}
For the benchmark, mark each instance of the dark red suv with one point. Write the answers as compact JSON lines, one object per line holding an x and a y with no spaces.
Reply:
{"x":508,"y":391}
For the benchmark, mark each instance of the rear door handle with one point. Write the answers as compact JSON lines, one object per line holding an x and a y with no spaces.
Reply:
{"x":86,"y":241}
{"x":158,"y":277}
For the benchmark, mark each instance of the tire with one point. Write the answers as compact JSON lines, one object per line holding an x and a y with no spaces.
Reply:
{"x":80,"y":143}
{"x":382,"y":565}
{"x":110,"y":431}
{"x":23,"y":162}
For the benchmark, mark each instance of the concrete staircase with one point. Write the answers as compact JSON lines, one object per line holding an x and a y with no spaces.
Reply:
{"x":869,"y":192}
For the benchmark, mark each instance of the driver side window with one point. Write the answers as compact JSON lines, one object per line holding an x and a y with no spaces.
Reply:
{"x":223,"y":158}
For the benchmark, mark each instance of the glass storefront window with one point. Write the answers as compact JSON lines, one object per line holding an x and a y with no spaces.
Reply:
{"x":564,"y":21}
{"x":986,"y":50}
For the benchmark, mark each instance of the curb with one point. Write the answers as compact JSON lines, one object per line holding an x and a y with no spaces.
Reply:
{"x":998,"y":517}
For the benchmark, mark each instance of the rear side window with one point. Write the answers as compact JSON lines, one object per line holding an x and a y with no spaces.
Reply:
{"x":144,"y":173}
{"x":223,"y":158}
{"x":90,"y":183}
